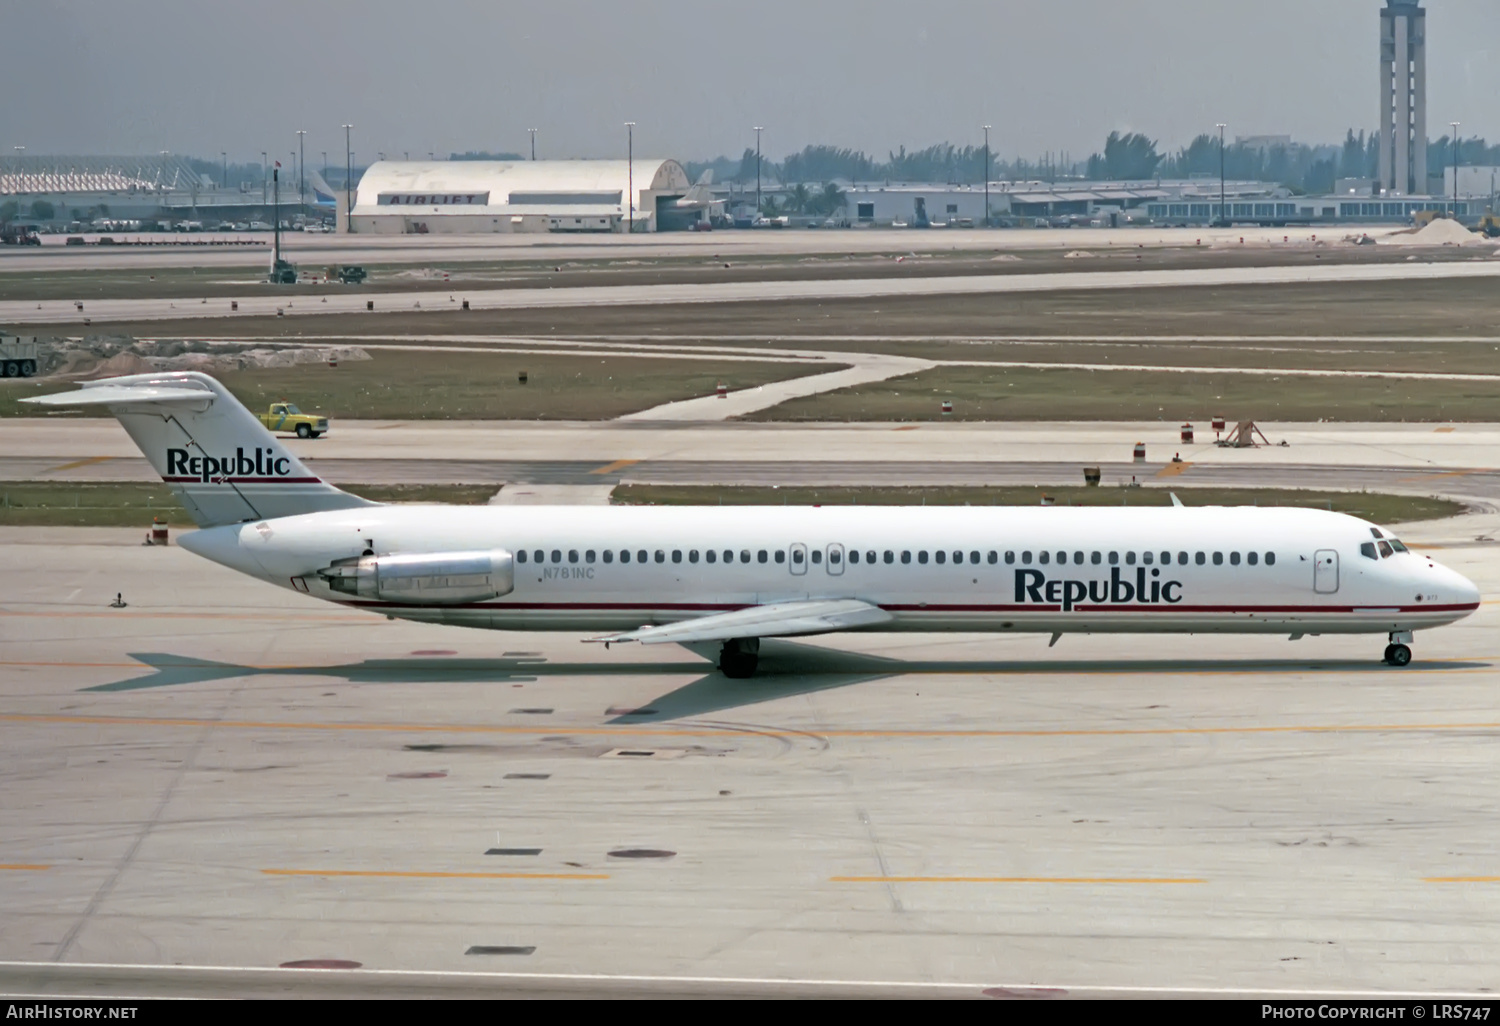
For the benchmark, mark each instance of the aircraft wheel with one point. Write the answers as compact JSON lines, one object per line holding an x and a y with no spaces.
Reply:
{"x":303,"y":431}
{"x":1397,"y":655}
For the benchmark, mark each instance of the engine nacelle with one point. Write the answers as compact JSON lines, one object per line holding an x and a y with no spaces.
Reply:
{"x":424,"y":579}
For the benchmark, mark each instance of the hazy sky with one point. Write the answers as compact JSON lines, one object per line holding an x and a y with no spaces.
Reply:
{"x":200,"y":76}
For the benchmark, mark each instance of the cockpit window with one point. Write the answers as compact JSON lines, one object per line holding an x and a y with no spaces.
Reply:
{"x":1367,"y":549}
{"x":1385,"y":549}
{"x":1375,"y":531}
{"x":1398,"y":546}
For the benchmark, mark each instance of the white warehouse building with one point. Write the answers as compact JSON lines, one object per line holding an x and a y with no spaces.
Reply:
{"x":472,"y":196}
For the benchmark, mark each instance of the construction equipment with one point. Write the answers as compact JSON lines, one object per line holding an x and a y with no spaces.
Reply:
{"x":18,"y":356}
{"x":1243,"y":437}
{"x":1489,"y":224}
{"x":282,"y":271}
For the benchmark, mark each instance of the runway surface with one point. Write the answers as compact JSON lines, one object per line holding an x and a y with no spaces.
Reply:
{"x":1481,"y":487}
{"x":377,"y":249}
{"x":102,"y":311}
{"x":224,"y":774}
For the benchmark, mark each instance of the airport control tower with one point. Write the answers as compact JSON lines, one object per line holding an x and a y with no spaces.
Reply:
{"x":1403,"y":97}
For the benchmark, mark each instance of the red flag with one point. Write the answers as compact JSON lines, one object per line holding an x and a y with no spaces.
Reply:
{"x":278,"y":163}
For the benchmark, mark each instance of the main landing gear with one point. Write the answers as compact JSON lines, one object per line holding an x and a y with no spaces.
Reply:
{"x":738,"y":657}
{"x":1398,"y":653}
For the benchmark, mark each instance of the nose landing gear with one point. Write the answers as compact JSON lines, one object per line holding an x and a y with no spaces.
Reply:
{"x":739,"y":656}
{"x":1398,"y":652}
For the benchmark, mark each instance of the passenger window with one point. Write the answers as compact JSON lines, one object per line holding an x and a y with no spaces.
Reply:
{"x":711,"y":556}
{"x":939,"y":555}
{"x":974,"y":557}
{"x":677,"y":555}
{"x":1114,"y":559}
{"x":1096,"y":558}
{"x":1367,"y":549}
{"x":640,"y":555}
{"x":729,"y":555}
{"x":1234,"y":559}
{"x":869,"y":555}
{"x":692,"y":555}
{"x":557,"y":555}
{"x":817,"y":556}
{"x":539,"y":556}
{"x":1200,"y":558}
{"x":1148,"y":557}
{"x":1166,"y":557}
{"x":922,"y":556}
{"x":624,"y":555}
{"x":1218,"y":559}
{"x":833,"y":556}
{"x":521,"y":556}
{"x":1182,"y":558}
{"x":1062,"y":557}
{"x":572,"y":555}
{"x":958,"y":557}
{"x":854,"y":555}
{"x":890,"y":557}
{"x":1270,"y":559}
{"x":1026,"y":558}
{"x":1010,"y":557}
{"x":797,"y":556}
{"x":1130,"y":559}
{"x":661,"y":557}
{"x":906,"y":556}
{"x":780,"y":556}
{"x":588,"y":557}
{"x":609,"y":555}
{"x":1252,"y":558}
{"x":1044,"y":557}
{"x":762,"y":556}
{"x":745,"y":556}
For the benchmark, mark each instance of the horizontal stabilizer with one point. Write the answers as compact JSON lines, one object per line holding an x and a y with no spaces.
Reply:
{"x":777,"y":620}
{"x":123,"y":395}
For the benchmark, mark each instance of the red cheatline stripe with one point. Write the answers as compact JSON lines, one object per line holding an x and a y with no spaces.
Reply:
{"x":932,"y":608}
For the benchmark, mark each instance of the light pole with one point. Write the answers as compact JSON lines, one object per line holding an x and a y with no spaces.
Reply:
{"x":1455,"y":169}
{"x":224,"y":183}
{"x":758,"y":130}
{"x":1223,"y":214}
{"x":301,"y":171}
{"x":986,"y":176}
{"x":263,"y":181}
{"x":630,"y":170}
{"x":348,"y":182}
{"x":533,"y":142}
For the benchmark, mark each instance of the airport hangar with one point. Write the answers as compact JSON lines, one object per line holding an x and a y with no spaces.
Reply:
{"x":478,"y":196}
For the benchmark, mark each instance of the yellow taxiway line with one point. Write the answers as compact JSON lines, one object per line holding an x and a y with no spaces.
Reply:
{"x":1021,"y":879}
{"x":610,"y":468}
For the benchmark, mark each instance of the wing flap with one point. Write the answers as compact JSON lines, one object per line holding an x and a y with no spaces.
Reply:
{"x":776,"y":620}
{"x":123,"y":395}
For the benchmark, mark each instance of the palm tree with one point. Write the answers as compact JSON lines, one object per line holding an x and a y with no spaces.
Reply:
{"x":799,"y":199}
{"x":831,"y":199}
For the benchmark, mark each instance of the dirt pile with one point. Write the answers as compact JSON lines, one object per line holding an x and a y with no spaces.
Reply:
{"x":1441,"y":231}
{"x":108,"y":356}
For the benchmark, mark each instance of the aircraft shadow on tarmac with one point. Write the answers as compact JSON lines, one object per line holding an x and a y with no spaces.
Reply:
{"x":787,"y":669}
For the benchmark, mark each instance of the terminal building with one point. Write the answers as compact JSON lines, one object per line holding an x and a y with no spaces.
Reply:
{"x":478,"y":196}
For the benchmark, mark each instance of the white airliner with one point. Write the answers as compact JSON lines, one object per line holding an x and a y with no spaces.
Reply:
{"x":733,"y":575}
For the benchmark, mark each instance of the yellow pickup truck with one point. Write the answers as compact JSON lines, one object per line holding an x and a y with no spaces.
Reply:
{"x":286,"y":417}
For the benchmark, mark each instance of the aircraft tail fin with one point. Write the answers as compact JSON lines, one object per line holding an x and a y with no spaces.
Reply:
{"x":215,"y":455}
{"x":699,"y":194}
{"x":323,"y":194}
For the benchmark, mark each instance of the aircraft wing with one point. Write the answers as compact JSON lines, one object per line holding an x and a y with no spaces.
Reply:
{"x":123,"y":395}
{"x":776,"y":620}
